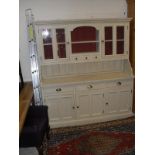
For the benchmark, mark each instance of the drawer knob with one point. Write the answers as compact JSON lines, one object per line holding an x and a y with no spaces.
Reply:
{"x":90,"y":86}
{"x":73,"y":107}
{"x":86,"y":58}
{"x":76,"y":58}
{"x":119,"y":83}
{"x":58,"y":89}
{"x":77,"y":106}
{"x":96,"y":57}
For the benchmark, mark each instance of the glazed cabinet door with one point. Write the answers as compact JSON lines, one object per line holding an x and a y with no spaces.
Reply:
{"x":114,"y":40}
{"x":61,"y":107}
{"x":53,"y":44}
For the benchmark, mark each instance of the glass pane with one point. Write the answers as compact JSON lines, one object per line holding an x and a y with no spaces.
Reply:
{"x":84,"y":47}
{"x":108,"y":33}
{"x":120,"y":47}
{"x":84,"y":33}
{"x":48,"y":52}
{"x":62,"y":51}
{"x":46,"y":34}
{"x":120,"y":32}
{"x":108,"y":48}
{"x":60,"y":35}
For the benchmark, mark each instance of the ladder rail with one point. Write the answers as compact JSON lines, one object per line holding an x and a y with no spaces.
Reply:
{"x":33,"y":57}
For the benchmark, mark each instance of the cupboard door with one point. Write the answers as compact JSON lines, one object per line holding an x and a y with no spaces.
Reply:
{"x":60,"y":107}
{"x":97,"y":103}
{"x":120,"y":39}
{"x":108,"y":36}
{"x":54,"y":109}
{"x":67,"y":107}
{"x":61,"y":42}
{"x":111,"y":102}
{"x":83,"y":104}
{"x":125,"y":100}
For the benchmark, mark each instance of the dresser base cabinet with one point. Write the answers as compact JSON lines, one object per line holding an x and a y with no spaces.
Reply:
{"x":92,"y":102}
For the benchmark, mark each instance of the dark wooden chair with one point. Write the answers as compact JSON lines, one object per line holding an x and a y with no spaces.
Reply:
{"x":35,"y":129}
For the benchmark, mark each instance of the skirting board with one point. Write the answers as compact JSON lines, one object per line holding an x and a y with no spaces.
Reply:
{"x":85,"y":121}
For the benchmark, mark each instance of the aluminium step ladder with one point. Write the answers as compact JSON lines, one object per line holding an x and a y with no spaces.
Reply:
{"x":33,"y":57}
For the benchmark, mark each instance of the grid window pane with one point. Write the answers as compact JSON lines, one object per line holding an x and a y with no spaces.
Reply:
{"x":46,"y":34}
{"x":62,"y":51}
{"x":60,"y":35}
{"x":108,"y":33}
{"x":120,"y":32}
{"x":48,"y":52}
{"x":120,"y":47}
{"x":108,"y":48}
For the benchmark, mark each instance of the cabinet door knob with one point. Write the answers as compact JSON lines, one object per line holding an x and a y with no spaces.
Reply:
{"x":73,"y":107}
{"x":76,"y":58}
{"x":86,"y":58}
{"x":77,"y":106}
{"x":119,"y":83}
{"x":90,"y":86}
{"x":58,"y":89}
{"x":107,"y":103}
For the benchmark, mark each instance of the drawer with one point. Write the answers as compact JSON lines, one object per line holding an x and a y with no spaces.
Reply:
{"x":91,"y":86}
{"x":105,"y":84}
{"x":119,"y":83}
{"x":57,"y":90}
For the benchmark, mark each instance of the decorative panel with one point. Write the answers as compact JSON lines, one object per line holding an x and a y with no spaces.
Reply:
{"x":84,"y":47}
{"x":84,"y":33}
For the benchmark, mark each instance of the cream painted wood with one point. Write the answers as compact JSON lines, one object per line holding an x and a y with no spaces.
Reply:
{"x":125,"y":100}
{"x":68,"y":69}
{"x":69,"y":26}
{"x":83,"y":104}
{"x":111,"y":102}
{"x":60,"y":107}
{"x":97,"y":103}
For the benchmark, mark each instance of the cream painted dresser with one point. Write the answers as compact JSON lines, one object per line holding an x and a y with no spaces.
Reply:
{"x":86,"y":76}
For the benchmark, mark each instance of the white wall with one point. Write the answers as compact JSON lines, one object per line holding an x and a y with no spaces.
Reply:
{"x":63,"y":9}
